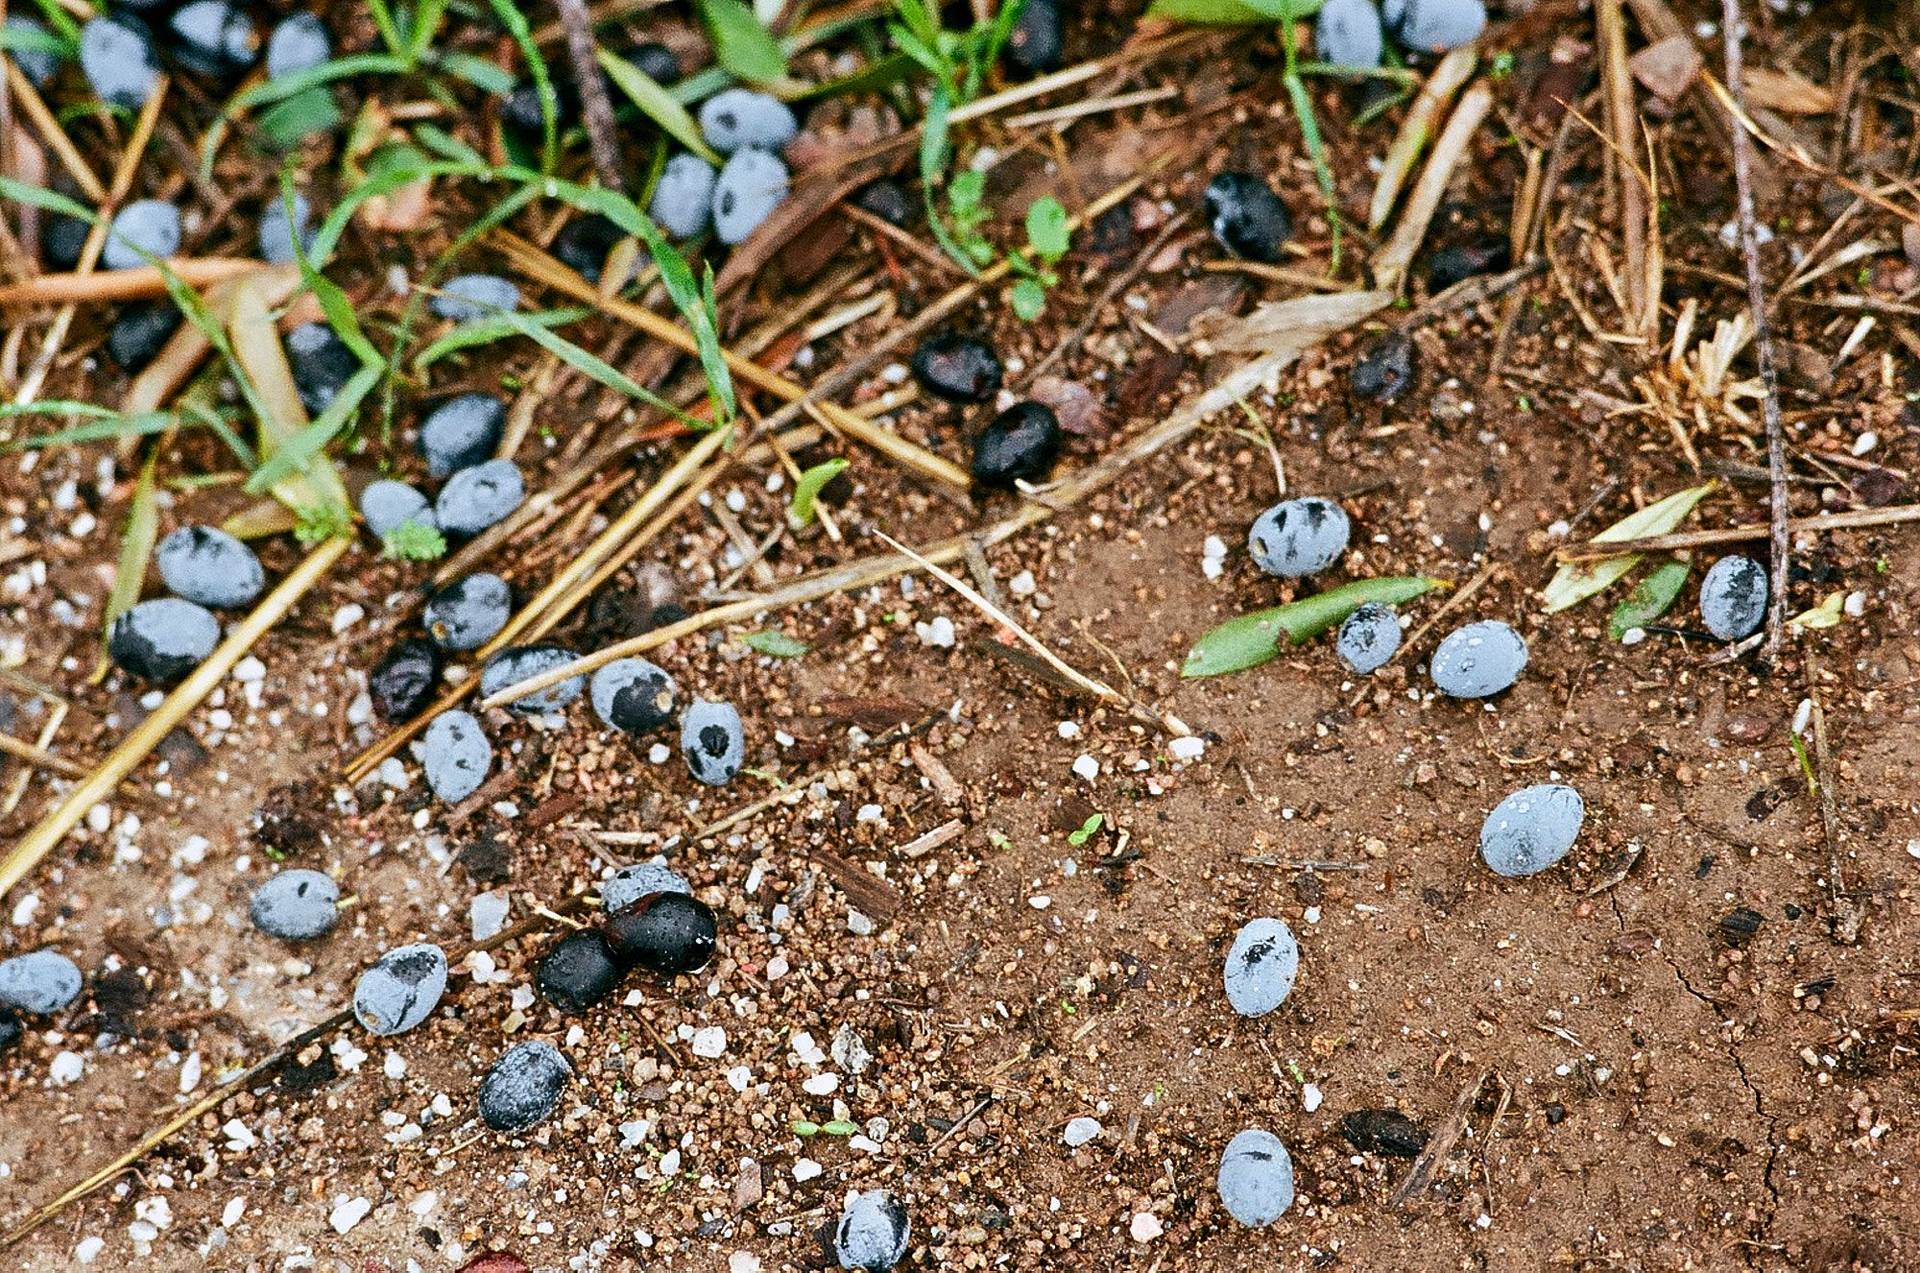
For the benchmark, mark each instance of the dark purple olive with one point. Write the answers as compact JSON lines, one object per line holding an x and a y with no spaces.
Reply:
{"x":1385,"y":368}
{"x":61,"y":240}
{"x":884,"y":199}
{"x":578,"y":972}
{"x":1021,"y":445}
{"x":12,"y":1030}
{"x":401,"y":684}
{"x":1247,"y":217}
{"x":1468,"y":260}
{"x":1037,"y":43}
{"x":665,"y":933}
{"x":957,"y":368}
{"x":322,"y":364}
{"x":140,"y":331}
{"x":583,"y":243}
{"x":655,"y":61}
{"x":1384,"y":1131}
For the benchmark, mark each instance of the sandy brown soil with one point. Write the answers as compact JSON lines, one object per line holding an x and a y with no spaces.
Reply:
{"x":1661,"y":1091}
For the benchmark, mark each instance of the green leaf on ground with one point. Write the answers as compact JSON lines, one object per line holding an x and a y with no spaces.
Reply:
{"x":1028,"y":298}
{"x":286,"y":124}
{"x":1086,"y":830}
{"x":1578,"y":580}
{"x":1825,"y":615}
{"x":740,"y":43}
{"x":1232,"y":12}
{"x":776,"y":643}
{"x":1253,"y":639}
{"x":1047,"y":228}
{"x":1650,"y":598}
{"x":487,"y":329}
{"x":806,"y":490}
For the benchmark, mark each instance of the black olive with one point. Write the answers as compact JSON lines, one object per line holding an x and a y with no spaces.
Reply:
{"x":665,"y":933}
{"x":1021,"y":444}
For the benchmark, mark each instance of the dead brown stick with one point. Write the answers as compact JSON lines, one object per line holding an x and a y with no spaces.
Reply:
{"x":596,"y":110}
{"x":44,"y":123}
{"x":142,"y":282}
{"x":1622,"y":122}
{"x":1847,"y":916}
{"x":1440,"y":1144}
{"x":1854,"y":519}
{"x":1733,"y":24}
{"x":40,"y":756}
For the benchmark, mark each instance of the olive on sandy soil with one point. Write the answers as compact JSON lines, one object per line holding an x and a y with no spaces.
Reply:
{"x":742,"y":119}
{"x":1037,"y":43}
{"x":1434,"y":26}
{"x":322,"y":364}
{"x":279,"y":231}
{"x":387,"y":505}
{"x":1021,"y":444}
{"x":637,"y":880}
{"x":401,"y":990}
{"x":1368,"y":638}
{"x":298,"y":44}
{"x":471,"y":296}
{"x":150,"y":226}
{"x":519,"y":663}
{"x":117,"y":57}
{"x":1462,"y":261}
{"x":1261,"y":967}
{"x":713,"y":741}
{"x":140,"y":332}
{"x":1347,"y":33}
{"x":212,"y":37}
{"x":682,"y":200}
{"x":1383,"y":1131}
{"x":523,"y":1087}
{"x":1247,"y":217}
{"x":62,"y":238}
{"x":478,"y":497}
{"x":886,"y":199}
{"x":873,"y":1233}
{"x":749,"y":188}
{"x":401,"y":683}
{"x":1733,"y":598}
{"x":578,"y":972}
{"x":1531,"y":829}
{"x":1478,"y":660}
{"x":39,"y":64}
{"x":583,"y":243}
{"x":469,"y":612}
{"x":1256,"y":1178}
{"x":666,"y":933}
{"x":209,"y":566}
{"x":461,"y":432}
{"x":456,"y":755}
{"x":297,"y":905}
{"x":1299,"y":537}
{"x":958,"y":368}
{"x":1384,"y":370}
{"x":12,"y":1029}
{"x":634,"y":696}
{"x":164,"y":639}
{"x":40,"y":982}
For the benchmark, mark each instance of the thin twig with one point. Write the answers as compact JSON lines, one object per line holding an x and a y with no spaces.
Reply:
{"x":1853,"y":519}
{"x":1733,"y":24}
{"x":596,"y":110}
{"x":39,"y":756}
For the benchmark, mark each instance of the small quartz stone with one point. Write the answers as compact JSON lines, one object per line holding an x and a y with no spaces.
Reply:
{"x":1256,"y":1178}
{"x":461,"y":432}
{"x":741,"y":118}
{"x":469,"y":612}
{"x":640,"y":879}
{"x":209,"y":566}
{"x":683,"y":197}
{"x":1478,"y":660}
{"x":749,"y":188}
{"x":145,"y":226}
{"x":117,"y":57}
{"x":299,"y":43}
{"x":387,"y":505}
{"x":164,"y":639}
{"x":40,"y":982}
{"x":478,"y":497}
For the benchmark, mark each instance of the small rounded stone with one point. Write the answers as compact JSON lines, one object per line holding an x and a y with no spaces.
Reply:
{"x":1733,"y":598}
{"x":640,"y":879}
{"x":1478,"y":660}
{"x":1247,"y":217}
{"x":457,"y":755}
{"x":1299,"y":537}
{"x":682,"y":200}
{"x":401,"y":683}
{"x":471,"y":296}
{"x":151,"y":226}
{"x":874,"y":1232}
{"x":1435,"y":26}
{"x":401,"y":990}
{"x":1347,"y":33}
{"x":322,"y":364}
{"x":519,"y":663}
{"x":1021,"y":444}
{"x":387,"y":505}
{"x":713,"y":741}
{"x":213,"y":37}
{"x":749,"y":188}
{"x":461,"y":432}
{"x":297,"y":905}
{"x":578,"y":972}
{"x":164,"y":639}
{"x":741,"y":118}
{"x":140,"y":332}
{"x":634,"y":696}
{"x":298,"y":44}
{"x":12,"y":1028}
{"x":206,"y":565}
{"x":117,"y":57}
{"x":40,"y":982}
{"x":957,"y":368}
{"x":278,"y":231}
{"x":1256,"y":1178}
{"x":1531,"y":829}
{"x":1261,"y":967}
{"x":1368,"y":638}
{"x":886,"y":199}
{"x":668,"y":933}
{"x":39,"y":65}
{"x":523,"y":1087}
{"x":469,"y":612}
{"x":478,"y":497}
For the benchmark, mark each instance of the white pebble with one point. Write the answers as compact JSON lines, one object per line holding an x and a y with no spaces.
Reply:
{"x":348,"y":1212}
{"x":806,"y":1169}
{"x":1192,"y":747}
{"x":67,"y":1067}
{"x":710,"y":1042}
{"x":1145,"y":1227}
{"x":1080,"y":1131}
{"x":1086,"y":767}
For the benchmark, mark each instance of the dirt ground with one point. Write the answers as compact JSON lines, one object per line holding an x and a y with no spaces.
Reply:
{"x":1636,"y":1080}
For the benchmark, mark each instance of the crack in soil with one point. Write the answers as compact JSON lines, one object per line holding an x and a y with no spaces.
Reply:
{"x":1732,"y":1050}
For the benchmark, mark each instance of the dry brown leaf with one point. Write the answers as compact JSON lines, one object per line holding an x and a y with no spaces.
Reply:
{"x":1786,"y":92}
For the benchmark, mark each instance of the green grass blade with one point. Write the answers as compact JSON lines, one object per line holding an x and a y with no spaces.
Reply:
{"x":21,"y":192}
{"x":741,"y":44}
{"x":775,"y":643}
{"x":286,"y":124}
{"x":487,"y":329}
{"x":62,"y":21}
{"x":657,"y":104}
{"x":477,"y":71}
{"x":339,"y":68}
{"x":291,"y":456}
{"x":592,"y":366}
{"x":1253,"y":639}
{"x":136,"y":548}
{"x":516,"y":24}
{"x":427,"y":16}
{"x":801,"y":511}
{"x":105,"y":424}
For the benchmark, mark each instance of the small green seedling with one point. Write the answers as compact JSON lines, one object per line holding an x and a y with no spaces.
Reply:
{"x":1087,"y":831}
{"x":1047,"y":241}
{"x":413,"y":541}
